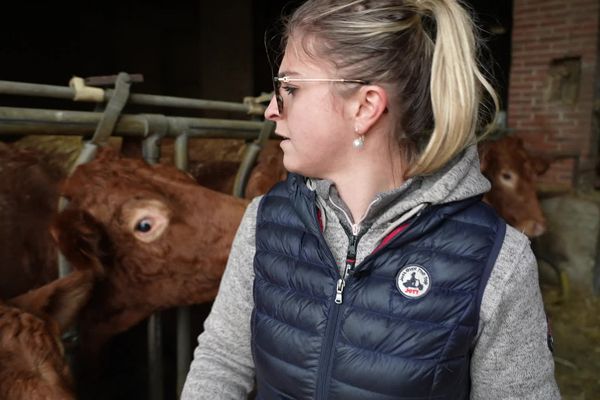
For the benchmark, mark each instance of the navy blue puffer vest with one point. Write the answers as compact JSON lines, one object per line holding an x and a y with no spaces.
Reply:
{"x":379,"y":343}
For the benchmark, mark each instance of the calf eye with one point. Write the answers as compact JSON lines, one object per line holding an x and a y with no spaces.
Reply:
{"x":145,"y":225}
{"x":147,"y":219}
{"x":507,"y":176}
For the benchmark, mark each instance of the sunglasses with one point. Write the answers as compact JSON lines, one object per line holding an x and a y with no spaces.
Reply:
{"x":277,"y":81}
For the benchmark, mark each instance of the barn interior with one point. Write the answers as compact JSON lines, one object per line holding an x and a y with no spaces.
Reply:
{"x":544,"y":55}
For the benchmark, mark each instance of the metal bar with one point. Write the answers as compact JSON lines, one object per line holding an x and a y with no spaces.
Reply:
{"x":249,"y":159}
{"x":27,"y":121}
{"x":155,"y":357}
{"x":35,"y":90}
{"x":64,"y":92}
{"x":110,"y":80}
{"x":181,"y":152}
{"x":113,"y":109}
{"x":182,"y":102}
{"x":184,"y":351}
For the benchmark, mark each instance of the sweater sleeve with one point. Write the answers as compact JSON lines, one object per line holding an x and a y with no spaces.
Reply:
{"x":511,"y":359}
{"x":223,"y":367}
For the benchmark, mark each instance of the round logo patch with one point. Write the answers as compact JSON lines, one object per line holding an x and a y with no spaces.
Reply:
{"x":413,"y":281}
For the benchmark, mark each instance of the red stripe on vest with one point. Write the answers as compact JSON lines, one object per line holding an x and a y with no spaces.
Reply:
{"x":319,"y":219}
{"x":390,"y":236}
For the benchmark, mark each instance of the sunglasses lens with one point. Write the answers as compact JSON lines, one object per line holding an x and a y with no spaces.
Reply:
{"x":278,"y":97}
{"x":279,"y":103}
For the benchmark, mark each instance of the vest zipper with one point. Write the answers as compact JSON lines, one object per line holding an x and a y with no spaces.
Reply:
{"x":327,"y":354}
{"x":350,"y":262}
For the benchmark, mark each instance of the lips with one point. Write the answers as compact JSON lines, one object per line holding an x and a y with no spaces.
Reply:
{"x":281,"y":136}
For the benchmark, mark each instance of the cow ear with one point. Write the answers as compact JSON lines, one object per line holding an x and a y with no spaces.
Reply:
{"x":81,"y":239}
{"x":540,"y":165}
{"x":61,"y":300}
{"x":483,"y":150}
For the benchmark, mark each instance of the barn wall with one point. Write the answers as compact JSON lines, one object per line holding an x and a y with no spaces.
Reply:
{"x":552,"y":84}
{"x":201,"y":49}
{"x":227,"y":49}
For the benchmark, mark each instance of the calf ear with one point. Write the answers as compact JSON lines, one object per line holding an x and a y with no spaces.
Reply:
{"x":483,"y":150}
{"x":81,"y":239}
{"x":61,"y":300}
{"x":540,"y":165}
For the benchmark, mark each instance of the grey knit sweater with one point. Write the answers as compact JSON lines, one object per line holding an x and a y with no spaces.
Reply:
{"x":511,"y":359}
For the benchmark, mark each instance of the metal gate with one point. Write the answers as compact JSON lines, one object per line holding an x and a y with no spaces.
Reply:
{"x":108,"y":120}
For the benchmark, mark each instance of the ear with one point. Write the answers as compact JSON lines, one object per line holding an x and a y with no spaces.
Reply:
{"x":81,"y":239}
{"x":61,"y":300}
{"x":371,"y":104}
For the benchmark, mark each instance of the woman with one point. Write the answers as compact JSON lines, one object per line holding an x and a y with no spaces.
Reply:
{"x":375,"y":271}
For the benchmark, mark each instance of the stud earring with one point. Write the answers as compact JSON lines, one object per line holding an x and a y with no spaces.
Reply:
{"x":359,"y":142}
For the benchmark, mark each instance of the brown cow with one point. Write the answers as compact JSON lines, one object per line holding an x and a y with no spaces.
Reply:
{"x":220,"y":175}
{"x":512,"y":172}
{"x":32,"y":362}
{"x":169,"y":239}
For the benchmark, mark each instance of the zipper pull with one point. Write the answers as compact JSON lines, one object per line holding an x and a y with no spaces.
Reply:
{"x":339,"y":290}
{"x":341,"y":284}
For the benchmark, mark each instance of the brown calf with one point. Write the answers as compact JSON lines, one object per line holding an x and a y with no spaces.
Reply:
{"x":169,"y":239}
{"x":512,"y":172}
{"x":32,"y":362}
{"x":220,"y":175}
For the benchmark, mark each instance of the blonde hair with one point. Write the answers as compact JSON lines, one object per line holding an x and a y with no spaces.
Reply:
{"x":426,"y":50}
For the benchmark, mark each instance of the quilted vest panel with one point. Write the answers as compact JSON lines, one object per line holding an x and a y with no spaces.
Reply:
{"x":380,"y":343}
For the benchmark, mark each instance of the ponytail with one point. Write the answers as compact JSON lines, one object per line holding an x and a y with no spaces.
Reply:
{"x":455,"y":86}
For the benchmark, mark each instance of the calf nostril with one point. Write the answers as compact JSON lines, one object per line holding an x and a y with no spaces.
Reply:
{"x":533,"y":228}
{"x":539,"y":228}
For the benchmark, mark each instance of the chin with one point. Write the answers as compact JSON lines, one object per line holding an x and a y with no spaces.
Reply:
{"x":292,"y":166}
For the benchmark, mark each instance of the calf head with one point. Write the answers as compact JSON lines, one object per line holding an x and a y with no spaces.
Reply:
{"x":32,"y":362}
{"x":169,"y":239}
{"x":512,"y":172}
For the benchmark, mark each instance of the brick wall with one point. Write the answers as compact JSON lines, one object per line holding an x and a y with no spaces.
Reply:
{"x":552,"y":82}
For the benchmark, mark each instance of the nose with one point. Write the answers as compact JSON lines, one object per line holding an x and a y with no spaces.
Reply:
{"x":271,"y":112}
